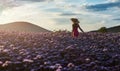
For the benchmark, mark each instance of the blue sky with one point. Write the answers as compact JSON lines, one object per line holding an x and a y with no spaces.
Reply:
{"x":56,"y":14}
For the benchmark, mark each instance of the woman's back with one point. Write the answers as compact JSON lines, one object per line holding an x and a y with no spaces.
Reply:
{"x":75,"y":30}
{"x":75,"y":26}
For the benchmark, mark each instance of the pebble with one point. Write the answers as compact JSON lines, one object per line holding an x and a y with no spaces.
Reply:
{"x":70,"y":65}
{"x":28,"y":60}
{"x":6,"y":63}
{"x":1,"y":62}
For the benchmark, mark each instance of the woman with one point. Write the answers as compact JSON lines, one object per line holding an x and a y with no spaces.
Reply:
{"x":75,"y":27}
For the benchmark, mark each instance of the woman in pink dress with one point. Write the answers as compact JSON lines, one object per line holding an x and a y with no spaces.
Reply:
{"x":75,"y":27}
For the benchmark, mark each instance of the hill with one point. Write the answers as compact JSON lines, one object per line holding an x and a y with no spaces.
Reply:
{"x":114,"y":29}
{"x":111,"y":29}
{"x":22,"y":27}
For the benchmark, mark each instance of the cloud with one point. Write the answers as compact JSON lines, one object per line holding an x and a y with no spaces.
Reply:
{"x":96,"y":26}
{"x":118,"y":19}
{"x":56,"y":14}
{"x":113,"y":0}
{"x":69,"y":14}
{"x":8,"y":3}
{"x":104,"y":6}
{"x":34,"y":0}
{"x":29,"y":13}
{"x":14,"y":3}
{"x":90,"y":27}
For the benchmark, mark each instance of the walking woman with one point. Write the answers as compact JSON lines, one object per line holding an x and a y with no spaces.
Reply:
{"x":75,"y":27}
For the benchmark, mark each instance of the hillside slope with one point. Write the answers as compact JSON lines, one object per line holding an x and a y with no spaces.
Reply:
{"x":111,"y":29}
{"x":114,"y":29}
{"x":22,"y":27}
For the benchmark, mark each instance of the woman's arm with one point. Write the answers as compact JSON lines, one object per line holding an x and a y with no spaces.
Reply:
{"x":80,"y":28}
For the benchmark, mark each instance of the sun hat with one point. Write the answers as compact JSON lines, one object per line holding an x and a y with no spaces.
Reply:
{"x":74,"y":19}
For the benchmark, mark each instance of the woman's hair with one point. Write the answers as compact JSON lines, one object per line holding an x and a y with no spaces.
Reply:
{"x":75,"y":20}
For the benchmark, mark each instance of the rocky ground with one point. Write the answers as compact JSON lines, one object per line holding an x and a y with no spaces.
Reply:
{"x":59,"y":51}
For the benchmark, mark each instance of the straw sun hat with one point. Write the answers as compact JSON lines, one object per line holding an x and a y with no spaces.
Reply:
{"x":74,"y":20}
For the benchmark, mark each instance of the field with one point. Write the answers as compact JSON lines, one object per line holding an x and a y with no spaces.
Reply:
{"x":58,"y":51}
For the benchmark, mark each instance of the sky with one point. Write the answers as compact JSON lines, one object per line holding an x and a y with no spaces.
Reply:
{"x":56,"y":14}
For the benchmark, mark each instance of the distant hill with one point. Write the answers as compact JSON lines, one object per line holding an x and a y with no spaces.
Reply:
{"x":22,"y":27}
{"x":114,"y":29}
{"x":111,"y":29}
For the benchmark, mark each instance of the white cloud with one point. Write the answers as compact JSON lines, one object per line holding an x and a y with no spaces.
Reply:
{"x":28,"y":12}
{"x":113,"y":0}
{"x":8,"y":3}
{"x":95,"y":26}
{"x":14,"y":3}
{"x":34,"y":11}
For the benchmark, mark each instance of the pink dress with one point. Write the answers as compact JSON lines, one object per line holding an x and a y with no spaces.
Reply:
{"x":75,"y":32}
